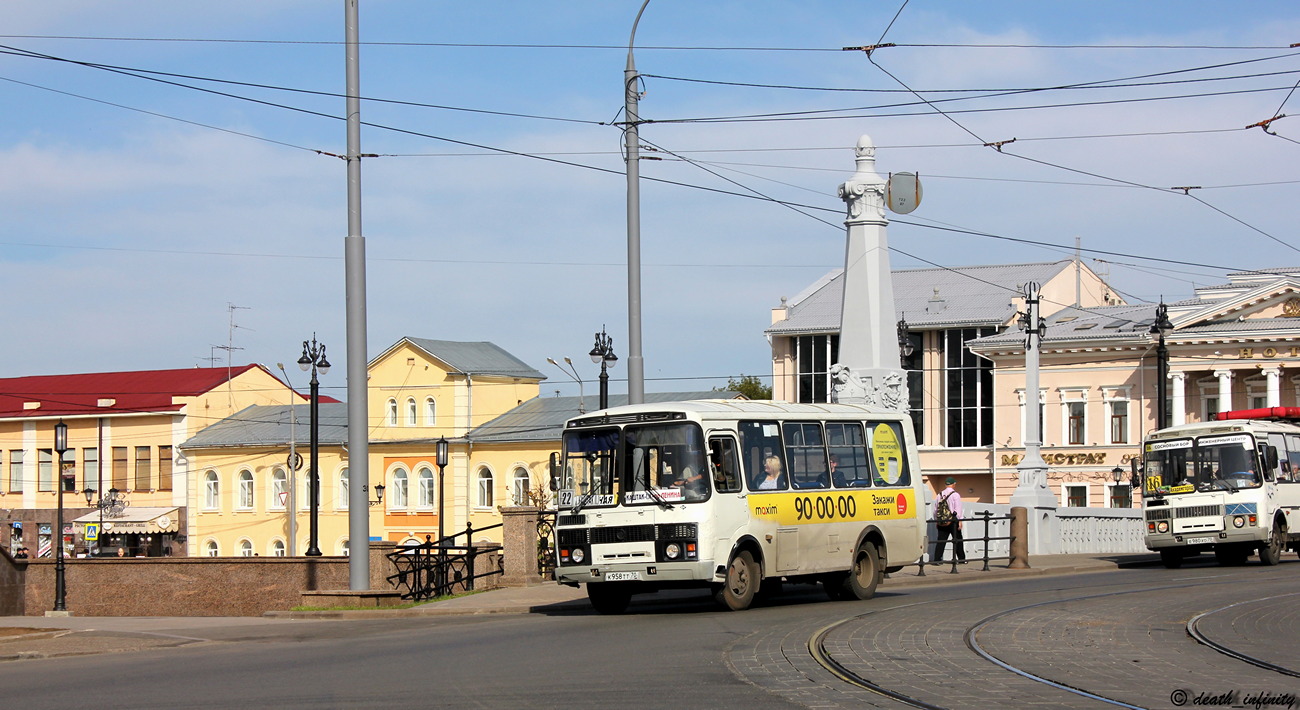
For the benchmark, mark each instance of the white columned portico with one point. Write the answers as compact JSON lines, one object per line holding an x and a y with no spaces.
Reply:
{"x":1273,"y":384}
{"x":1178,"y":390}
{"x":869,"y":370}
{"x":1225,"y":389}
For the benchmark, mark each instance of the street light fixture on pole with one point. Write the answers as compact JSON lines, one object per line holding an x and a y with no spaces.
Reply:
{"x":441,"y":460}
{"x":313,"y":359}
{"x":60,"y":588}
{"x":603,"y":353}
{"x":572,"y":372}
{"x":1160,"y":328}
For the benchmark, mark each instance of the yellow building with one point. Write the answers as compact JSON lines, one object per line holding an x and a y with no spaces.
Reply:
{"x":124,"y":434}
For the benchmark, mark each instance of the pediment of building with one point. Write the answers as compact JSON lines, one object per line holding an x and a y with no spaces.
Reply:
{"x":1276,"y":299}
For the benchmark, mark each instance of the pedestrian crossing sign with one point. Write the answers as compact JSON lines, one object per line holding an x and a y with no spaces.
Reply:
{"x":92,"y":532}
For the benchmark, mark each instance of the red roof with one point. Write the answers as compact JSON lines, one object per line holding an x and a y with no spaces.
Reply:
{"x":144,"y":391}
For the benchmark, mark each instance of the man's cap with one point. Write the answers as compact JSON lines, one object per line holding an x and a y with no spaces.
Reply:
{"x":950,"y":480}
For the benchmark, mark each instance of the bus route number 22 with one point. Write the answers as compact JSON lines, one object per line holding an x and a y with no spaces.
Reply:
{"x":825,"y":507}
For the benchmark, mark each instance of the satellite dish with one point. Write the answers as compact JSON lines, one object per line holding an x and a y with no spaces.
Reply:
{"x":903,"y":192}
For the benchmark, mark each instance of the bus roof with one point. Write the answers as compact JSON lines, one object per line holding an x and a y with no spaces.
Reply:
{"x":735,"y":408}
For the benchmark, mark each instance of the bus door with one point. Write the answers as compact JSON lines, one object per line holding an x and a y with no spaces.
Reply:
{"x":731,"y":514}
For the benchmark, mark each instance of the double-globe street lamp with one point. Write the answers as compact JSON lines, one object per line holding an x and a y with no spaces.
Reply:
{"x":60,"y":588}
{"x":313,"y":359}
{"x":1160,"y":328}
{"x":603,"y":353}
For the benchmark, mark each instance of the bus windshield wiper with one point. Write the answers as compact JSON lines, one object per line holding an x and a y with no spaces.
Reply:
{"x":658,"y":498}
{"x":585,"y":499}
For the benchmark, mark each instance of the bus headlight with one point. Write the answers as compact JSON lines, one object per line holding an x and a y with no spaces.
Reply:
{"x":1162,"y":527}
{"x":672,"y":551}
{"x":1238,"y":521}
{"x":578,"y":555}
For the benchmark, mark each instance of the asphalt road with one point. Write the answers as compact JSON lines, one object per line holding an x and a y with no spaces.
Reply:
{"x":1118,"y":634}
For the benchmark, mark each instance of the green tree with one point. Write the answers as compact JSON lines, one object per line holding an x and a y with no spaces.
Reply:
{"x":749,"y":385}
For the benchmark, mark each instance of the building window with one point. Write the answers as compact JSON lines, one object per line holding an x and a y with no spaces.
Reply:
{"x":211,"y":491}
{"x":1211,"y":407}
{"x":344,"y":548}
{"x":246,"y":490}
{"x":279,"y":489}
{"x":814,"y":355}
{"x":397,"y":496}
{"x":143,"y":468}
{"x":392,"y":412}
{"x":1119,"y":421}
{"x":1121,"y":496}
{"x":430,"y":411}
{"x":968,"y":389}
{"x":277,"y":548}
{"x":1076,"y":425}
{"x":426,"y":497}
{"x":914,"y":366}
{"x":484,"y":488}
{"x":211,"y":549}
{"x":120,"y":467}
{"x":164,"y":468}
{"x":519,"y":486}
{"x":1258,"y":401}
{"x":1076,"y":496}
{"x":410,"y":412}
{"x":343,"y":490}
{"x":16,"y":471}
{"x":90,"y":468}
{"x":44,"y":470}
{"x":305,"y":489}
{"x":245,"y":548}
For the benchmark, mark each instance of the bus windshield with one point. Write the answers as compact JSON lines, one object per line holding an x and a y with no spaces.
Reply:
{"x":664,"y":463}
{"x":590,"y":469}
{"x":1204,"y":464}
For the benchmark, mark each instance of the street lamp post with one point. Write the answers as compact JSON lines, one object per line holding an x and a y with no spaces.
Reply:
{"x":1160,"y":328}
{"x":313,"y":359}
{"x":60,"y":588}
{"x":572,"y":372}
{"x":603,"y":353}
{"x":1117,"y":474}
{"x":441,"y":460}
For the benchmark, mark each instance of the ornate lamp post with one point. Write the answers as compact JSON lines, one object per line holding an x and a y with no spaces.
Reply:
{"x":1117,"y":474}
{"x":603,"y":353}
{"x":313,"y":359}
{"x":60,"y":589}
{"x":441,"y":460}
{"x":1160,"y":328}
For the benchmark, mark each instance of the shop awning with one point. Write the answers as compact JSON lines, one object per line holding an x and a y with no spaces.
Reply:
{"x":136,"y":520}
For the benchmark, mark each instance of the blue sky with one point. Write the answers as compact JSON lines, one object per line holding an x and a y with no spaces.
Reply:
{"x":137,"y":212}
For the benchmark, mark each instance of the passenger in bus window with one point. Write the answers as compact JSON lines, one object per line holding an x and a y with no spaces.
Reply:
{"x":774,"y":479}
{"x":837,"y":478}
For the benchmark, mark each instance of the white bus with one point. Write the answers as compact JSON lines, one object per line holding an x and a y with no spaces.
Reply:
{"x":1230,"y":486}
{"x":736,"y":496}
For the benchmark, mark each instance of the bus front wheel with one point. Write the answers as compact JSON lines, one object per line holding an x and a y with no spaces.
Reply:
{"x":1271,"y":554}
{"x":737,"y":592}
{"x":609,"y":597}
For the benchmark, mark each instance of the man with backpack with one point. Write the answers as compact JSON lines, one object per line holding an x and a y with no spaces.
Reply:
{"x":947,"y":520}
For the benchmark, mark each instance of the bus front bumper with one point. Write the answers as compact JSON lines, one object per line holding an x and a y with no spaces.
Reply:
{"x":701,"y":573}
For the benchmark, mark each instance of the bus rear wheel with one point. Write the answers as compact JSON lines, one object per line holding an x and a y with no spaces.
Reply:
{"x":865,"y":573}
{"x":1271,"y":554}
{"x":609,"y":597}
{"x":743,"y":580}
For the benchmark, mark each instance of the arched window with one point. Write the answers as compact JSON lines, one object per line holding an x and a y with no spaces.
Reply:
{"x":430,"y":411}
{"x":246,"y":491}
{"x":211,"y":491}
{"x":342,"y":503}
{"x":210,"y":549}
{"x":245,"y":548}
{"x":519,"y":486}
{"x":277,"y":548}
{"x":279,"y":489}
{"x":410,"y":412}
{"x":392,"y":412}
{"x":397,"y":495}
{"x":425,"y":493}
{"x":484,"y":488}
{"x":344,"y":548}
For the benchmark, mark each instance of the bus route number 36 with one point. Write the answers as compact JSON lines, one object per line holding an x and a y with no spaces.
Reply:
{"x":825,"y":507}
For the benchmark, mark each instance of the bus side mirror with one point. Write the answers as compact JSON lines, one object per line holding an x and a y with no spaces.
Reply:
{"x":1270,"y":457}
{"x":555,"y":471}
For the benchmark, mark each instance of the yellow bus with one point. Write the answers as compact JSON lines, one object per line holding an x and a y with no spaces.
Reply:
{"x":736,"y":496}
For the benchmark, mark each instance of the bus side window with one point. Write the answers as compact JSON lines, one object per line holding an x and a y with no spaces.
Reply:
{"x":848,"y":455}
{"x":806,"y":454}
{"x":724,"y":465}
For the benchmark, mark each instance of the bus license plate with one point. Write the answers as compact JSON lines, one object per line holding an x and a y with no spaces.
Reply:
{"x":622,"y":576}
{"x":1199,"y":540}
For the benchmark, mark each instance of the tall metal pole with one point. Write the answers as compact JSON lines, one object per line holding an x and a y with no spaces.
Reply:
{"x":631,"y":141}
{"x":1160,"y":327}
{"x":1031,"y":492}
{"x":355,"y":269}
{"x":313,"y":478}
